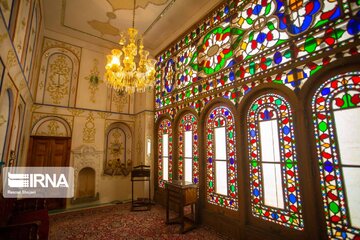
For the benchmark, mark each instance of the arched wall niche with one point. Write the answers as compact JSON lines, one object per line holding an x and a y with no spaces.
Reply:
{"x":118,"y":149}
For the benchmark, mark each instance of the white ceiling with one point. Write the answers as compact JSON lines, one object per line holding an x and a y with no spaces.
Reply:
{"x":100,"y":21}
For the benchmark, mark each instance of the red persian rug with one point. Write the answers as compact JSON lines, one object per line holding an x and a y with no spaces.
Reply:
{"x":118,"y":222}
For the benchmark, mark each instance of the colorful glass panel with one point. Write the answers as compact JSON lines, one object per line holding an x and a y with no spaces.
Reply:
{"x":266,"y":108}
{"x":339,"y":93}
{"x":221,"y":117}
{"x":188,"y":123}
{"x":169,"y":75}
{"x":256,"y":29}
{"x":187,"y":67}
{"x":164,"y":128}
{"x":215,"y":51}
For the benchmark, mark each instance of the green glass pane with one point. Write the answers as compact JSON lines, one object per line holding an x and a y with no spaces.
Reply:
{"x":322,"y":22}
{"x":312,"y":72}
{"x":254,"y":107}
{"x":254,"y":163}
{"x":287,"y":54}
{"x":289,"y":163}
{"x":310,"y":44}
{"x":268,"y":62}
{"x":211,"y":184}
{"x":268,"y":8}
{"x":337,"y":33}
{"x":322,"y":126}
{"x":347,"y":101}
{"x":232,"y":188}
{"x":334,"y":207}
{"x":270,"y":25}
{"x":252,"y":68}
{"x":249,"y":21}
{"x":278,"y":102}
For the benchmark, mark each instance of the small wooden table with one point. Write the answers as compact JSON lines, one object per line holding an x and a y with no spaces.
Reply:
{"x":182,"y":194}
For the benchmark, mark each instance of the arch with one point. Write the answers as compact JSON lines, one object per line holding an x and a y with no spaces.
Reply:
{"x":86,"y":183}
{"x":335,"y":112}
{"x":51,"y":126}
{"x":216,"y":101}
{"x":118,"y":149}
{"x":280,"y":89}
{"x":272,"y":159}
{"x":219,"y":192}
{"x":347,"y":64}
{"x":60,"y":87}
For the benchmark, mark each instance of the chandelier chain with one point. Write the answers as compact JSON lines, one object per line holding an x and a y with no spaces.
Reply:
{"x":133,"y":20}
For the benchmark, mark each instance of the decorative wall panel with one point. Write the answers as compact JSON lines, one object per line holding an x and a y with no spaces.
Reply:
{"x":58,"y":75}
{"x":118,"y":160}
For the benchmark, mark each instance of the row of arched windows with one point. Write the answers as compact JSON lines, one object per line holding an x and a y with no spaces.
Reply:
{"x":272,"y":154}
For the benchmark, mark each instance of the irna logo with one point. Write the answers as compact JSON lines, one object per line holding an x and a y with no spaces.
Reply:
{"x":21,"y":180}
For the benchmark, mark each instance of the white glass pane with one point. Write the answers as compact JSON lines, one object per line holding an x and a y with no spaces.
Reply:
{"x":165,"y":168}
{"x":273,"y":193}
{"x":188,"y":144}
{"x":348,"y":135}
{"x":269,"y":138}
{"x":220,"y":143}
{"x":352,"y":186}
{"x":165,"y":145}
{"x":148,"y":147}
{"x":188,"y":169}
{"x":221,"y":177}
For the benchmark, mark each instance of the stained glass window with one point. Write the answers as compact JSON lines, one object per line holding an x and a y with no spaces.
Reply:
{"x":221,"y":158}
{"x":336,"y":115}
{"x":165,"y":152}
{"x":274,"y":178}
{"x":188,"y":162}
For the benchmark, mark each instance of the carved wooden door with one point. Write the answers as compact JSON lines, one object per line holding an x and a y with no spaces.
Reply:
{"x":50,"y":152}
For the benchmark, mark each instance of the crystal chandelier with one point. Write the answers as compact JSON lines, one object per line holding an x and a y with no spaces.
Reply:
{"x":122,"y":72}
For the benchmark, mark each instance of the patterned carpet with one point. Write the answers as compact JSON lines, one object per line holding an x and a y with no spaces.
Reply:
{"x":118,"y":222}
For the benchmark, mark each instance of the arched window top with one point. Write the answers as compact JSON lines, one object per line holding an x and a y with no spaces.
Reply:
{"x":187,"y":121}
{"x":165,"y":125}
{"x":267,"y":107}
{"x":220,"y":116}
{"x":339,"y":92}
